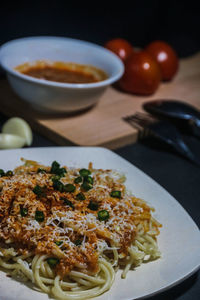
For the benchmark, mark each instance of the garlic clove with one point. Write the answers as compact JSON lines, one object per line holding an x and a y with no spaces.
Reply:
{"x":10,"y":141}
{"x":19,"y":127}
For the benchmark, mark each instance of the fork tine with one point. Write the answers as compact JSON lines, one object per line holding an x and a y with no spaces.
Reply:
{"x":145,"y":116}
{"x":129,"y":120}
{"x":144,"y":119}
{"x":135,"y":122}
{"x":142,"y":122}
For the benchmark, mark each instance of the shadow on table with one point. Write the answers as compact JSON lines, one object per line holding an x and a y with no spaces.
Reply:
{"x":153,"y":143}
{"x":177,"y":291}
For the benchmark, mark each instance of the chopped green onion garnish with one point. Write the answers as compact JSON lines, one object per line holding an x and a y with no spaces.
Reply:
{"x":67,"y":202}
{"x":88,"y":179}
{"x":78,"y":242}
{"x":69,"y":188}
{"x":59,"y":243}
{"x":55,"y":177}
{"x":84,"y":172}
{"x":39,"y":191}
{"x":78,"y":179}
{"x":115,"y":194}
{"x":39,"y":216}
{"x":2,"y":173}
{"x":23,"y":211}
{"x":40,"y":170}
{"x":58,"y":185}
{"x":9,"y":173}
{"x":93,"y":205}
{"x":61,"y":172}
{"x":103,"y":215}
{"x":80,"y":196}
{"x":54,"y":167}
{"x":86,"y":186}
{"x":52,"y":261}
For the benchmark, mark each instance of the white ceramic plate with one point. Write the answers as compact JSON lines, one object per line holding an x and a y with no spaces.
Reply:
{"x":179,"y":240}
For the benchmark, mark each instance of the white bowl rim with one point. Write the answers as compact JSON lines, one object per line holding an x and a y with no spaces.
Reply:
{"x":98,"y":84}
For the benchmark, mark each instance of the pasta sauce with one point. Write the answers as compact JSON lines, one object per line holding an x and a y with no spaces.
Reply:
{"x":63,"y":72}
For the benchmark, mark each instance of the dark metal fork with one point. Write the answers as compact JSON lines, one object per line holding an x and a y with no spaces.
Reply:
{"x":162,"y":130}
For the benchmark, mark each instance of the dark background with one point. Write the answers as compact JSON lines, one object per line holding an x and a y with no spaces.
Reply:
{"x":177,"y":22}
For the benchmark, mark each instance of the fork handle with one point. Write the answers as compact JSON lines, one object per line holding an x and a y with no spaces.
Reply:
{"x":183,"y":149}
{"x":195,"y":127}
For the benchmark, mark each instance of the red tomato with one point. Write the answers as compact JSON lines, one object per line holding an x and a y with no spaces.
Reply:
{"x":120,"y":47}
{"x":142,"y":74}
{"x":165,"y":56}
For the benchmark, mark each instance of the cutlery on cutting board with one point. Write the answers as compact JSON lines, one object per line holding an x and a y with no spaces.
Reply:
{"x":174,"y":110}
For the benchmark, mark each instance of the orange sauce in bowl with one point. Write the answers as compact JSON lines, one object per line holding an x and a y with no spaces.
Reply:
{"x":62,"y":72}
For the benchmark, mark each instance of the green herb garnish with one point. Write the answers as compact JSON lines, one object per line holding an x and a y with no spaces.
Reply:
{"x":52,"y":261}
{"x":58,"y":185}
{"x":103,"y":215}
{"x":69,"y":188}
{"x":67,"y":202}
{"x":55,"y":177}
{"x":2,"y":173}
{"x":80,"y":196}
{"x":40,"y":170}
{"x":86,"y":186}
{"x":39,"y":191}
{"x":93,"y":205}
{"x":9,"y":173}
{"x":61,"y":172}
{"x":78,"y":242}
{"x":78,"y":179}
{"x":58,"y":243}
{"x":88,"y":179}
{"x":23,"y":211}
{"x":84,"y":172}
{"x":55,"y":169}
{"x":115,"y":194}
{"x":39,"y":216}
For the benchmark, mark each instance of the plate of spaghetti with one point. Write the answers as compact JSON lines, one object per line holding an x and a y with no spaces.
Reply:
{"x":77,"y":223}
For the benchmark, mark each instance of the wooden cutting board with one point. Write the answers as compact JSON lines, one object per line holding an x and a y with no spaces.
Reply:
{"x":103,"y":125}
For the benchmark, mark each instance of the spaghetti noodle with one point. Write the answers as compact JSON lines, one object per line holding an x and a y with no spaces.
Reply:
{"x":68,"y":230}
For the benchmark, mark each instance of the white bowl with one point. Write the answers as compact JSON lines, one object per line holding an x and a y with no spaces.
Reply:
{"x":49,"y":96}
